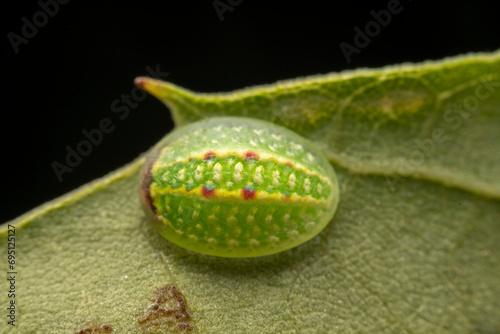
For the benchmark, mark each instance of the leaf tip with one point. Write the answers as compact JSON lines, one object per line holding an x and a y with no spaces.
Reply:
{"x":145,"y":83}
{"x":164,"y":91}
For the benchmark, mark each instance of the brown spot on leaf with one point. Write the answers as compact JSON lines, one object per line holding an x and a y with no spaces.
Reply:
{"x":96,"y":330}
{"x":168,"y":313}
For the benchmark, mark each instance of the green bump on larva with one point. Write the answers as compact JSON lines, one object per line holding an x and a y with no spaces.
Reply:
{"x":237,"y":187}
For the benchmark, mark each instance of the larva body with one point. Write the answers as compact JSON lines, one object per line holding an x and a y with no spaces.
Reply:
{"x":237,"y":187}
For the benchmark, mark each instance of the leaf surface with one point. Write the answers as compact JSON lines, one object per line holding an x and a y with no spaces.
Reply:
{"x":413,"y":248}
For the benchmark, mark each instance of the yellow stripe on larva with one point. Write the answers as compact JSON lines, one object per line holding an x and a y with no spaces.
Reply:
{"x":229,"y":153}
{"x":235,"y":195}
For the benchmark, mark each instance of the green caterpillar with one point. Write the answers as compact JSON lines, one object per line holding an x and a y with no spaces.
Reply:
{"x":237,"y":187}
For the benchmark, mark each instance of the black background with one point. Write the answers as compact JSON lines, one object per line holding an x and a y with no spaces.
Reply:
{"x":65,"y":78}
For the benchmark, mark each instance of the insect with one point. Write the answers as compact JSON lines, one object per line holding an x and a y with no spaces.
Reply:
{"x":237,"y":187}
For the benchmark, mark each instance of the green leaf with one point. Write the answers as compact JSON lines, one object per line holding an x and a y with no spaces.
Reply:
{"x":413,"y":248}
{"x":428,"y":121}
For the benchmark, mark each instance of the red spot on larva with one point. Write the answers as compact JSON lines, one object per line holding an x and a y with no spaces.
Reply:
{"x":287,"y":197}
{"x":209,"y":155}
{"x":289,"y":164}
{"x":250,"y":155}
{"x":208,"y":191}
{"x":248,"y":193}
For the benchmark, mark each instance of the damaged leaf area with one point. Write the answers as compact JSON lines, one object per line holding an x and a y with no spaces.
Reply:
{"x":168,"y":311}
{"x":413,"y":247}
{"x":96,"y":330}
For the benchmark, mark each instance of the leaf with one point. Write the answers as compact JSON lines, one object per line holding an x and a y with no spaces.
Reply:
{"x":413,"y":248}
{"x":406,"y":120}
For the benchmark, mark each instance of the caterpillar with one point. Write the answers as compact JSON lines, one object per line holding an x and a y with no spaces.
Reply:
{"x":237,"y":187}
